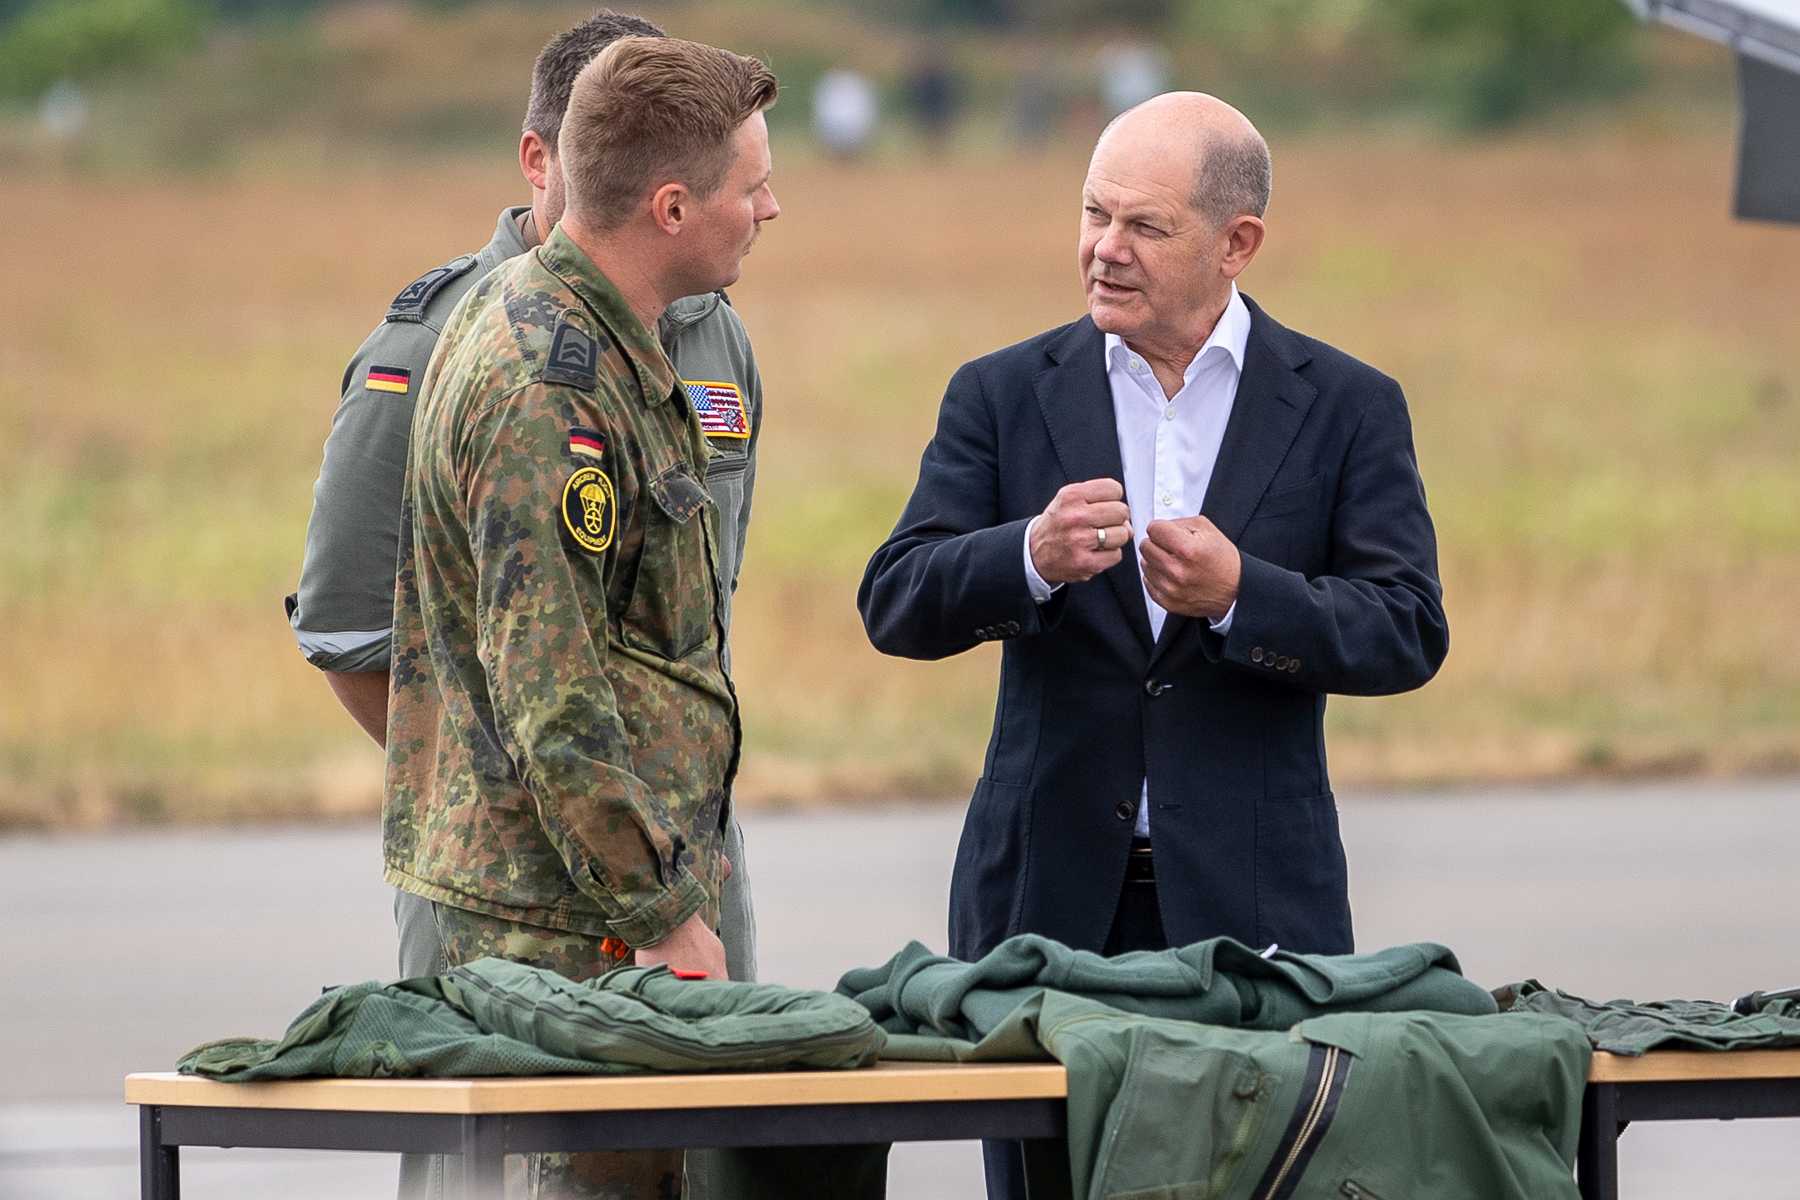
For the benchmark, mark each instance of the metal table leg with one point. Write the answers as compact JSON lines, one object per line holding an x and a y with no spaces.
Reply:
{"x":1047,"y":1169}
{"x":483,"y":1157}
{"x":1597,"y":1159}
{"x":159,"y":1166}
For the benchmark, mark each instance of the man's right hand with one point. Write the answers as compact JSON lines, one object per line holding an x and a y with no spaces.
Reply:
{"x":693,"y":946}
{"x":1065,"y":542}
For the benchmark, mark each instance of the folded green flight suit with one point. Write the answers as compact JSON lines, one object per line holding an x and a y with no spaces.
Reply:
{"x":1187,"y":1082}
{"x":1219,"y":982}
{"x":1628,"y":1027}
{"x":494,"y":1017}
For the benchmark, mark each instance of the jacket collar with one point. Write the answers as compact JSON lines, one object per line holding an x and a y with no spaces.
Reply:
{"x":566,"y":260}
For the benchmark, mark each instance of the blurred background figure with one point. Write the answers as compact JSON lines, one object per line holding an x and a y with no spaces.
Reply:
{"x":1130,"y":73}
{"x":1037,"y":103}
{"x":845,"y":112}
{"x":933,"y":95}
{"x":63,"y":111}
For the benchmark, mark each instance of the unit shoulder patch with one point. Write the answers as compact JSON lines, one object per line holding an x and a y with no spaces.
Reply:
{"x":574,"y":356}
{"x":410,"y":304}
{"x":720,"y":406}
{"x":590,"y":509}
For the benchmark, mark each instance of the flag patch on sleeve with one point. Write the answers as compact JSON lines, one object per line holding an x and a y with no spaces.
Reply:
{"x":586,"y":442}
{"x":389,"y":379}
{"x":720,"y":407}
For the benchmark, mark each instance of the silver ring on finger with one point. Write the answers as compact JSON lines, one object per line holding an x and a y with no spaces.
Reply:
{"x":1099,"y":539}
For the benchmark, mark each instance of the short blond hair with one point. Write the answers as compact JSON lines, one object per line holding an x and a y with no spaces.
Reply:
{"x":650,"y":110}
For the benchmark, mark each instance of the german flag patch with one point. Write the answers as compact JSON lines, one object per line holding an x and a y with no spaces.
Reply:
{"x":586,"y":442}
{"x":389,"y":379}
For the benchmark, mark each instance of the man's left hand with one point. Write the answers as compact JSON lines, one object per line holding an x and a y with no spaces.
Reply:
{"x":1191,"y":568}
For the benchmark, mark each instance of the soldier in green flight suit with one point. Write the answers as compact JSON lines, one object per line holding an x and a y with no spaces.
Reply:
{"x":342,"y":613}
{"x":562,"y":730}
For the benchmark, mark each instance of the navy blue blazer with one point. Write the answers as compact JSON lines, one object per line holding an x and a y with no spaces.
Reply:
{"x":1318,"y":486}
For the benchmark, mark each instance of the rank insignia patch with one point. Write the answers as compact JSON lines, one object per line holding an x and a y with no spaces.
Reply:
{"x":720,"y":407}
{"x":586,"y":442}
{"x":574,"y":356}
{"x":590,"y":509}
{"x":389,"y":379}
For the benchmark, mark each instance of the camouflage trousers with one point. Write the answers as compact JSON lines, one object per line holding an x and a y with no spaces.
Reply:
{"x":637,"y":1175}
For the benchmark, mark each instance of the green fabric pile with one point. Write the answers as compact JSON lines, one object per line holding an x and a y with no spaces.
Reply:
{"x":1629,"y":1027}
{"x":494,"y":1017}
{"x":1212,"y":1070}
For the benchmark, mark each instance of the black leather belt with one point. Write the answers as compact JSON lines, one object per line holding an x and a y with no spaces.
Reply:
{"x":1140,"y":866}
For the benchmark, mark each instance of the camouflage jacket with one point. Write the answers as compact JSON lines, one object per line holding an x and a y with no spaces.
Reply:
{"x":561,"y":728}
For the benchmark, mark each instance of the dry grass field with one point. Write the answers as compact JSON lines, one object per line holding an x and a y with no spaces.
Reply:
{"x":1600,"y":363}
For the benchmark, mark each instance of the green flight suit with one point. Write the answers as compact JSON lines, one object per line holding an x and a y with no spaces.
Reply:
{"x":498,"y":1017}
{"x":1212,"y":1072}
{"x":1766,"y":1022}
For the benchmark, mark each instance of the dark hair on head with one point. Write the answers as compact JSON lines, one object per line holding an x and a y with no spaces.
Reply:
{"x":561,"y":60}
{"x":653,"y":110}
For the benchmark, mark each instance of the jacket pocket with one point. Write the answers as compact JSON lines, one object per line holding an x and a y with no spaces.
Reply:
{"x":672,"y":597}
{"x":1302,"y":497}
{"x":1224,"y":1097}
{"x":1302,"y":888}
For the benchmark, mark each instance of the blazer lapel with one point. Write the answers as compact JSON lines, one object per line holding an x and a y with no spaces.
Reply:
{"x":1272,"y":402}
{"x":1077,"y":405}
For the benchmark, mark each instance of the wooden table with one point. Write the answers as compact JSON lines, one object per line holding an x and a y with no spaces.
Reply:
{"x":484,"y":1119}
{"x":1676,"y":1085}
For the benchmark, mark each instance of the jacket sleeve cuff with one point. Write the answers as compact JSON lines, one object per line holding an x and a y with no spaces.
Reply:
{"x":1041,"y":591}
{"x":656,"y":920}
{"x":345,"y":650}
{"x":1261,"y":585}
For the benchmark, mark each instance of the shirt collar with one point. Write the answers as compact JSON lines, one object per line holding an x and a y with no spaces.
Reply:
{"x":567,"y":261}
{"x":1230,"y":333}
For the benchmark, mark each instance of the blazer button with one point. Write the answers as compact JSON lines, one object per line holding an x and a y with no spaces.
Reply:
{"x":1012,"y":628}
{"x":1156,"y":687}
{"x":1293,"y":665}
{"x":1256,"y":655}
{"x":1125,"y":810}
{"x":1281,"y":663}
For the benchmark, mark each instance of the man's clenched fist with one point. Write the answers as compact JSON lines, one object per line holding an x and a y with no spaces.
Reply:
{"x":1191,"y":568}
{"x":1082,"y":533}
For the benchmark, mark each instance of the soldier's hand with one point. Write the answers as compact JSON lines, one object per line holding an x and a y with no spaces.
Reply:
{"x":1190,"y":567}
{"x":1083,"y":532}
{"x":693,"y":946}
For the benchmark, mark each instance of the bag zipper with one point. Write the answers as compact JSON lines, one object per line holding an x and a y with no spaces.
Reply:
{"x":1327,"y":1068}
{"x":1356,"y":1191}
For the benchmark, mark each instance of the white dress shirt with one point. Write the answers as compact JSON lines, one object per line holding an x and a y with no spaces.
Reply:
{"x":1168,"y":447}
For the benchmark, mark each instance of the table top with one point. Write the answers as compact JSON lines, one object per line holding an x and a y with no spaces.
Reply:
{"x":887,"y":1082}
{"x":1677,"y":1066}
